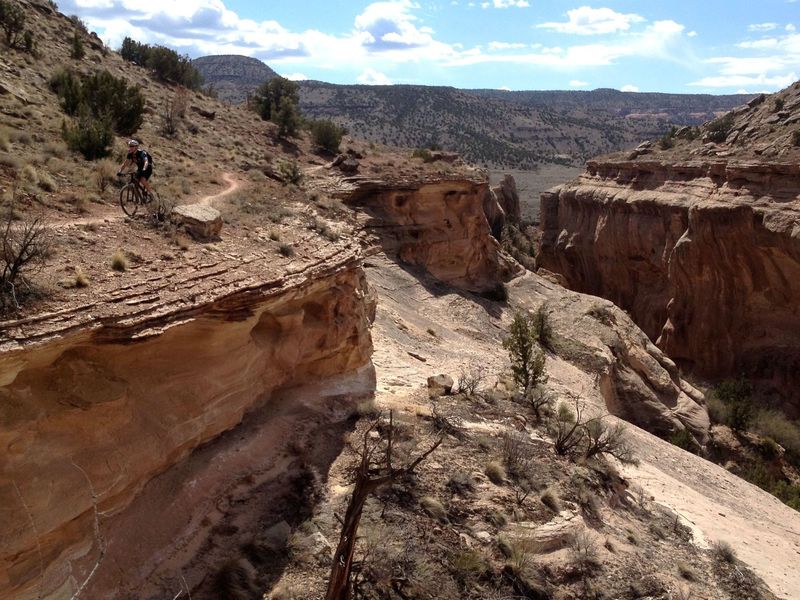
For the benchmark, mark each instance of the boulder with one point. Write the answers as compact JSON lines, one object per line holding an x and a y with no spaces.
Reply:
{"x":200,"y":221}
{"x":349,"y":165}
{"x":440,"y":385}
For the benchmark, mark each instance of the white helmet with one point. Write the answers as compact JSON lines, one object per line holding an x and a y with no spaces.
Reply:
{"x":133,"y":143}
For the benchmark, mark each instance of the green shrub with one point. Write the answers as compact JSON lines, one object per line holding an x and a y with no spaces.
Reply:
{"x":775,"y":425}
{"x":682,"y":439}
{"x":290,"y":171}
{"x":267,"y":98}
{"x":165,"y":63}
{"x":718,"y":129}
{"x":119,"y":262}
{"x":731,"y":405}
{"x":527,"y":359}
{"x":327,"y":134}
{"x":287,"y":118}
{"x":90,"y":136}
{"x":102,"y":96}
{"x":77,"y":51}
{"x":12,"y":22}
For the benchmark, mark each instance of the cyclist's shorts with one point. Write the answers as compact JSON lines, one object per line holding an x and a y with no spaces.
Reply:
{"x":146,"y":173}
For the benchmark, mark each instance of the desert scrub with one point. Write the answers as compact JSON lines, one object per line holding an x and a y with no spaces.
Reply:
{"x":496,"y":473}
{"x":550,"y":499}
{"x":434,"y":508}
{"x":119,"y":262}
{"x":286,"y":250}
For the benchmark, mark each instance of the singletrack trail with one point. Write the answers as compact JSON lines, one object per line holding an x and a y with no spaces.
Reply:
{"x":233,"y":185}
{"x":115,"y":215}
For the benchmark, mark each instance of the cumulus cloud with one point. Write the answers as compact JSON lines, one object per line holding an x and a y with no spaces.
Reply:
{"x":658,"y":40}
{"x":296,"y":76}
{"x":509,"y":3}
{"x":373,"y":77}
{"x":578,"y":83}
{"x":594,"y":21}
{"x":629,"y":88}
{"x":505,"y":46}
{"x":771,"y":63}
{"x":762,"y":27}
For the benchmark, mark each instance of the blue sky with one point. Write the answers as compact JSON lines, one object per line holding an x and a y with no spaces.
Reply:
{"x":686,"y":46}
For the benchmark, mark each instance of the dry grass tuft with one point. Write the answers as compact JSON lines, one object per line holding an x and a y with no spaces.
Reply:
{"x":551,"y":500}
{"x":434,"y":508}
{"x":119,"y":262}
{"x":496,"y":473}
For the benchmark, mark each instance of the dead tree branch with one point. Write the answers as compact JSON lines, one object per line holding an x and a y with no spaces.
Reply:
{"x":370,"y":475}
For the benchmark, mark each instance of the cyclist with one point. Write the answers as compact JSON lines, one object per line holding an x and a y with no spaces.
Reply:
{"x":143,"y":162}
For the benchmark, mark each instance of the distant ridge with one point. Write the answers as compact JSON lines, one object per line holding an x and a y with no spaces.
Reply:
{"x":493,"y":128}
{"x":233,"y":76}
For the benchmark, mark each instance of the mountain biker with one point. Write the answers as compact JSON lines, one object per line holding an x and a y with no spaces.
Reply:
{"x":143,"y":162}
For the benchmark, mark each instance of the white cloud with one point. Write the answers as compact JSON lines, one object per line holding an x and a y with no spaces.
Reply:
{"x":296,"y":77}
{"x":692,"y":34}
{"x":510,"y":3}
{"x":766,"y":43}
{"x":723,"y":81}
{"x":578,"y":83}
{"x":762,"y":27}
{"x":629,"y":88}
{"x":373,"y":77}
{"x":594,"y":21}
{"x":791,"y":28}
{"x":505,"y":46}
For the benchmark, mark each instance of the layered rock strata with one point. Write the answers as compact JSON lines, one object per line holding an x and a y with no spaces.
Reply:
{"x":705,"y":256}
{"x":96,"y":400}
{"x":437,"y":224}
{"x":639,"y":383}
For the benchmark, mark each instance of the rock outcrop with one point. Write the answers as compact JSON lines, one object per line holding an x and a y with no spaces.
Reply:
{"x":502,"y":206}
{"x":202,"y":222}
{"x":437,"y":224}
{"x":704,"y":256}
{"x":96,"y":400}
{"x":639,"y":383}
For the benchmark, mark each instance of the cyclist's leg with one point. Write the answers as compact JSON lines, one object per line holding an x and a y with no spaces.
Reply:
{"x":144,"y":177}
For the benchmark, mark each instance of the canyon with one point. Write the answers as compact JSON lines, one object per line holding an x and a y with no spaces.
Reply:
{"x":699,"y":243}
{"x":179,"y":418}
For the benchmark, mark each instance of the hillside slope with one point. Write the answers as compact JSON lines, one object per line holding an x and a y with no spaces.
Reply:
{"x":233,"y":77}
{"x":495,"y":128}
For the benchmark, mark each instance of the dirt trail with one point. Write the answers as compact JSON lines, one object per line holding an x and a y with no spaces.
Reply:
{"x":114,"y":214}
{"x":233,"y":185}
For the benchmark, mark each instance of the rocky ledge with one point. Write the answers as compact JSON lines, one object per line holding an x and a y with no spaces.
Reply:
{"x":704,"y":255}
{"x":97,"y":399}
{"x":439,"y":224}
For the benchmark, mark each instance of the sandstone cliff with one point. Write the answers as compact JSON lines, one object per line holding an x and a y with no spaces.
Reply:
{"x":438,"y":224}
{"x":97,"y":400}
{"x":703,"y":253}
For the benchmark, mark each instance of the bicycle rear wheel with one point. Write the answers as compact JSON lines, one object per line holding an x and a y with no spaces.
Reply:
{"x":129,"y":199}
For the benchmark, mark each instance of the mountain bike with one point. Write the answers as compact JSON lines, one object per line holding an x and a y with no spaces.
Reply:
{"x":132,"y":196}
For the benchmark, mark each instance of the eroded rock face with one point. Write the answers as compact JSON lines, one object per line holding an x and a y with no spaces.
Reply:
{"x":704,"y":256}
{"x":96,"y":406}
{"x":638,"y":381}
{"x":439,"y":225}
{"x":502,"y":206}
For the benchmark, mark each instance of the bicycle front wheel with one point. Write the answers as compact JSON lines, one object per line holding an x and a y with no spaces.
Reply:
{"x":129,"y":199}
